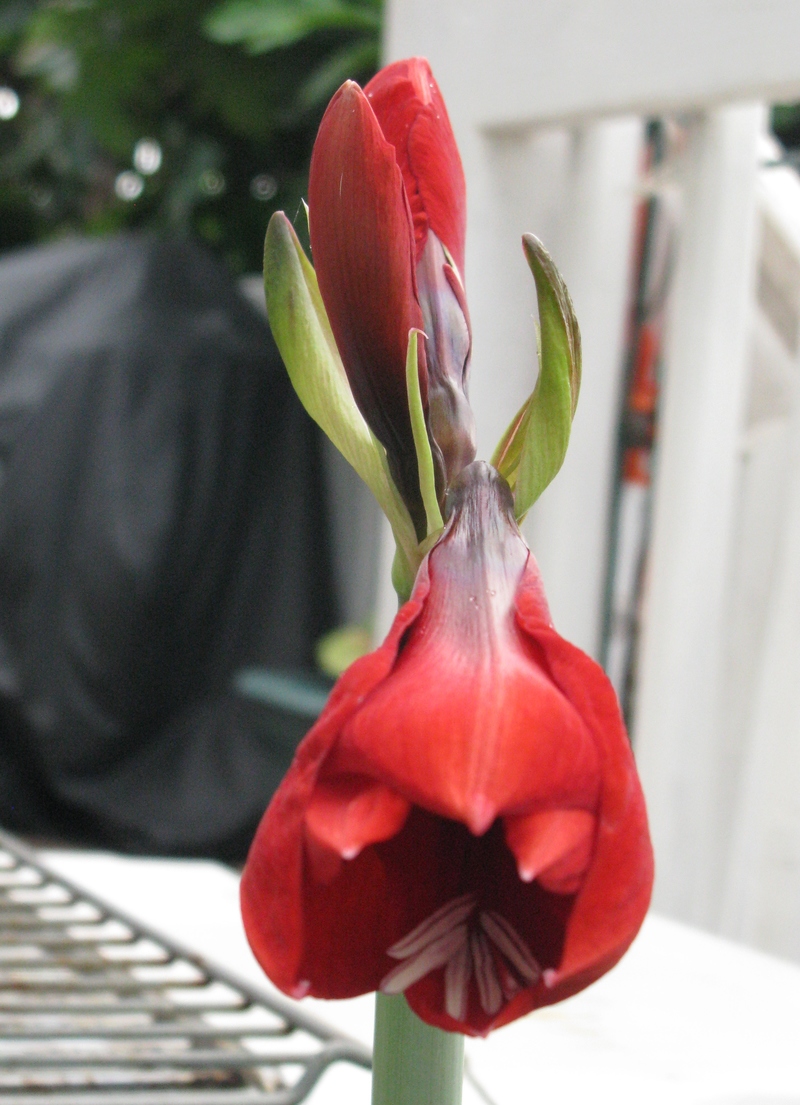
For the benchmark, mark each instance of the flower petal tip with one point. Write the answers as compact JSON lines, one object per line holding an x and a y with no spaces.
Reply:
{"x":550,"y":978}
{"x":481,"y":815}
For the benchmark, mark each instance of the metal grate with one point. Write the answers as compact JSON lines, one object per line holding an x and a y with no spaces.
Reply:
{"x":96,"y":1008}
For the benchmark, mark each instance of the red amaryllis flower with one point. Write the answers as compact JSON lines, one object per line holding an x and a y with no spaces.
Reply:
{"x":464,"y":823}
{"x":387,"y":221}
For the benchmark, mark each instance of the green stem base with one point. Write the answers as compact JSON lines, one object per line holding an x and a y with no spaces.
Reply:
{"x":413,"y":1063}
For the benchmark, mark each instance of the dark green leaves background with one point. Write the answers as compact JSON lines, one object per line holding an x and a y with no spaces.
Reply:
{"x":232,"y":92}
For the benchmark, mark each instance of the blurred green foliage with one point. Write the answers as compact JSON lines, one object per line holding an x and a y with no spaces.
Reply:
{"x":228,"y":94}
{"x":786,"y":124}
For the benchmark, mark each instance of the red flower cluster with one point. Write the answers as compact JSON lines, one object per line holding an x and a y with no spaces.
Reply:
{"x":464,"y":823}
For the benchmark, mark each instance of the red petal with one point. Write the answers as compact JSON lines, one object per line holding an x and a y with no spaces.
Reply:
{"x":552,"y":846}
{"x":412,"y":114}
{"x":377,"y":899}
{"x":471,"y":725}
{"x":615,"y":894}
{"x":482,"y":735}
{"x":363,"y":252}
{"x":273,"y":881}
{"x":348,"y":812}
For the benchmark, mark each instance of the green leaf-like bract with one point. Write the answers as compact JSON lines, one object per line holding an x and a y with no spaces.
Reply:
{"x":303,"y":335}
{"x":427,"y":477}
{"x":533,"y":447}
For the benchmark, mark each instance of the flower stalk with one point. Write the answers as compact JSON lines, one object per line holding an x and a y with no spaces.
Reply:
{"x":413,"y":1062}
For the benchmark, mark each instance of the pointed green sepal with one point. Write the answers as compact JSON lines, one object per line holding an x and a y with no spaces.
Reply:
{"x":427,"y":478}
{"x":533,"y":447}
{"x":303,"y":335}
{"x":403,"y":575}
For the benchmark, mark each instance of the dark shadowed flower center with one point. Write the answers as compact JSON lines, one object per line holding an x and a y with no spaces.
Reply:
{"x":487,"y":935}
{"x":471,"y":944}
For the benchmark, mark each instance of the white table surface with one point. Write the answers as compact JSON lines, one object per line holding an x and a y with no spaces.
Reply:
{"x":685,"y":1019}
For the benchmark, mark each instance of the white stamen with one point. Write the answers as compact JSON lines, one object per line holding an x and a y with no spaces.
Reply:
{"x":490,"y":993}
{"x":509,"y":981}
{"x":433,"y":955}
{"x":448,"y":939}
{"x":450,"y":915}
{"x":457,"y":974}
{"x":511,"y":944}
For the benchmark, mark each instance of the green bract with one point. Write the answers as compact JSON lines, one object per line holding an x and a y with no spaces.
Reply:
{"x":303,"y":335}
{"x":427,"y":479}
{"x":533,"y":447}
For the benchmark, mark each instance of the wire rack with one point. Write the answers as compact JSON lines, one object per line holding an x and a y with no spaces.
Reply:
{"x":98,"y":1009}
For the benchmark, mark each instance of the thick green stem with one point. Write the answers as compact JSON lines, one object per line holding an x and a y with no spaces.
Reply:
{"x":413,"y":1063}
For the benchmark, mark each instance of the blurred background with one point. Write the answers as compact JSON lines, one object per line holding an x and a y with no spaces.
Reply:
{"x":191,"y":118}
{"x":166,"y":532}
{"x":177,"y":543}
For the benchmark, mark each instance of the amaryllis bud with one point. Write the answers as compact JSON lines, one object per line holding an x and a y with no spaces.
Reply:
{"x":464,"y":823}
{"x":386,"y":217}
{"x":411,"y":111}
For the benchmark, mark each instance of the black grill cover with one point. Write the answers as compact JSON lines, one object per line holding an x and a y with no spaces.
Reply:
{"x":161,"y":528}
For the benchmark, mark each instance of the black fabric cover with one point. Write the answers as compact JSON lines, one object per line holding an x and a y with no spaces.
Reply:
{"x":161,"y":527}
